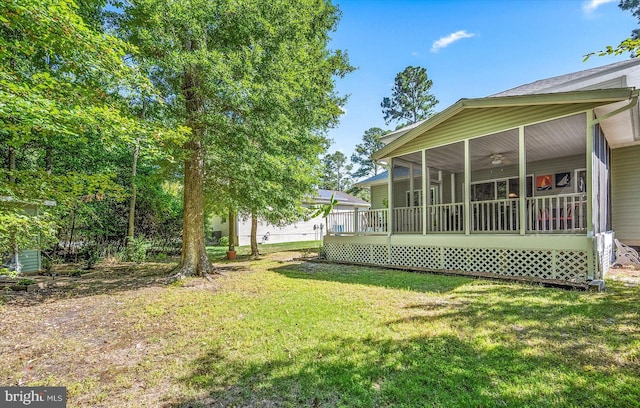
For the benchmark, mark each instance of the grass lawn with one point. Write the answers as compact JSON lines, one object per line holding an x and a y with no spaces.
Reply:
{"x":277,"y":332}
{"x":311,"y":247}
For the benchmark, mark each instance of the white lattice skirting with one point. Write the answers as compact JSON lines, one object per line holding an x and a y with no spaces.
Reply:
{"x":548,"y":264}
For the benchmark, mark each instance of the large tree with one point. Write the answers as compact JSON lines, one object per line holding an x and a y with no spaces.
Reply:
{"x":253,"y":81}
{"x":337,"y":172}
{"x":64,"y":87}
{"x":410,"y":100}
{"x":363,"y":151}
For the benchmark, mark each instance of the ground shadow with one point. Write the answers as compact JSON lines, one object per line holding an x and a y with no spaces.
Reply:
{"x":72,"y":282}
{"x":541,"y":347}
{"x":423,"y":371}
{"x":370,"y":276}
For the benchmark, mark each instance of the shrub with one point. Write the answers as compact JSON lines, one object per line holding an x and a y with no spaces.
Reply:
{"x":137,"y":249}
{"x":162,"y":257}
{"x":26,"y":282}
{"x":90,"y":253}
{"x":47,"y":264}
{"x":224,"y":241}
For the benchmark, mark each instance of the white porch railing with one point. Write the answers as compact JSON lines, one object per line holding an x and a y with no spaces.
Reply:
{"x":446,"y":217}
{"x":561,"y":213}
{"x":373,"y":221}
{"x":358,"y":222}
{"x":408,"y":220}
{"x":564,"y":212}
{"x":495,"y":215}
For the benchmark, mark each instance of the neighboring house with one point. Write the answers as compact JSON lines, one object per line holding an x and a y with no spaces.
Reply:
{"x":27,"y":260}
{"x":303,"y":230}
{"x":533,"y":182}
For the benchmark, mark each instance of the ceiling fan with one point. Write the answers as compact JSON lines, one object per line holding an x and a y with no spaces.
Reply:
{"x":497,"y":159}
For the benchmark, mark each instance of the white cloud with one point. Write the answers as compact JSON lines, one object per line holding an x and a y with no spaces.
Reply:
{"x":591,"y":5}
{"x":415,"y":53}
{"x":450,"y":39}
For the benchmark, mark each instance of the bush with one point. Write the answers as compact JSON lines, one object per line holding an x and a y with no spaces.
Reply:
{"x":91,"y":254}
{"x":224,"y":241}
{"x":137,"y":250}
{"x":26,"y":282}
{"x":162,"y":257}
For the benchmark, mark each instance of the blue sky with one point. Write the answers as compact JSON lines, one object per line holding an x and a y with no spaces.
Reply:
{"x":471,"y":49}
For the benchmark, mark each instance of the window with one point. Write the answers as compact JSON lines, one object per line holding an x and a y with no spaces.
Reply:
{"x":499,"y":189}
{"x":417,"y":198}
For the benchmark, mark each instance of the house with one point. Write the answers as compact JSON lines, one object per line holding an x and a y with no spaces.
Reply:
{"x":304,"y":230}
{"x":26,"y":260}
{"x":531,"y":182}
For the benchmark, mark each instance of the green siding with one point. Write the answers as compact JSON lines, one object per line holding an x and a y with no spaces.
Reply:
{"x":379,"y":195}
{"x":30,"y":260}
{"x":625,"y":191}
{"x":478,"y":122}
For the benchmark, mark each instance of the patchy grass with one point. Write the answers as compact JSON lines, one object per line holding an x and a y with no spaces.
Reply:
{"x":274,"y":332}
{"x":307,"y":247}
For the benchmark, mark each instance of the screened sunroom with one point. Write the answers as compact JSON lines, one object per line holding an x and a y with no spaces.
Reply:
{"x":513,"y":186}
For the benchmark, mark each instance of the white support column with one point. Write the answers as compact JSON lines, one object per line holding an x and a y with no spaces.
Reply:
{"x":425,"y":191}
{"x":589,"y":182}
{"x":355,"y":221}
{"x":411,"y":186}
{"x":439,"y":187}
{"x":453,"y":188}
{"x":522,"y":175}
{"x":591,"y":255}
{"x":467,"y":187}
{"x":427,"y":196}
{"x":390,"y":198}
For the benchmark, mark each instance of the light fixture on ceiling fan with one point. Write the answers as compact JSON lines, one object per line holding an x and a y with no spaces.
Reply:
{"x":497,"y":159}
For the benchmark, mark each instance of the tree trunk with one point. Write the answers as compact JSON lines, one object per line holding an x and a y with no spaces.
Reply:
{"x":254,"y":233}
{"x":12,"y":165}
{"x":132,"y":203}
{"x":48,"y":160}
{"x":232,"y":231}
{"x":194,"y":253}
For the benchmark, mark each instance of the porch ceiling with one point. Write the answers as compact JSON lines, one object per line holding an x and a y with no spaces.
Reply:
{"x":469,"y":118}
{"x":620,"y":130}
{"x":547,"y":140}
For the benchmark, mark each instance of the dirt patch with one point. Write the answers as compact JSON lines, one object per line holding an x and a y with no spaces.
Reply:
{"x":627,"y":274}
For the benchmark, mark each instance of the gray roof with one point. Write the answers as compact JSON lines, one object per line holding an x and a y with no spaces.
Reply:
{"x":324,"y":196}
{"x":398,"y":172}
{"x":547,"y":85}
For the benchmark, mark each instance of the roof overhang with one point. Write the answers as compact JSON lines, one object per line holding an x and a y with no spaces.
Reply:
{"x":595,"y":98}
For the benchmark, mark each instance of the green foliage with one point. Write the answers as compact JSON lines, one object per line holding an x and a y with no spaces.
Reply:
{"x":363,"y":151}
{"x":630,"y":45}
{"x":19,"y":230}
{"x":336,"y":173}
{"x":47,"y":264}
{"x":9,"y":273}
{"x":224,"y":241}
{"x":325,"y":209}
{"x":91,"y":254}
{"x":410,"y":100}
{"x":137,"y":249}
{"x":25,"y":282}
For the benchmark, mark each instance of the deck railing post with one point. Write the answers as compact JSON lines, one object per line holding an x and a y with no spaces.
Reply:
{"x":355,"y":221}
